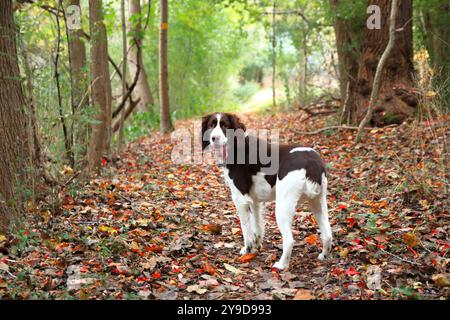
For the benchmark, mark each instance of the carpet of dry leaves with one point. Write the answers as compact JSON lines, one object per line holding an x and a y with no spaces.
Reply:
{"x":151,"y":229}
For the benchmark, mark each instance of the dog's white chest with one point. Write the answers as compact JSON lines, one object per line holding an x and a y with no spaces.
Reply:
{"x":261,"y":190}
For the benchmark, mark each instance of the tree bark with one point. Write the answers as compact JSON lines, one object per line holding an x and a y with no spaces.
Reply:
{"x":14,"y":147}
{"x":395,"y":101}
{"x":377,"y":80}
{"x":101,"y":87}
{"x":142,"y":91}
{"x":77,"y":50}
{"x":124,"y":72}
{"x":165,"y":121}
{"x":348,"y":33}
{"x":274,"y":57}
{"x":36,"y":145}
{"x":79,"y":77}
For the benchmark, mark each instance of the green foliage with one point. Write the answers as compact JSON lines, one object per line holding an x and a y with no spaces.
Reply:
{"x":246,"y":91}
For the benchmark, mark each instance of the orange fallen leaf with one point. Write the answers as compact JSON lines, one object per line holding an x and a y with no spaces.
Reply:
{"x":304,"y":294}
{"x":411,"y":240}
{"x":312,"y":239}
{"x":213,"y":228}
{"x":246,"y":258}
{"x":208,"y":268}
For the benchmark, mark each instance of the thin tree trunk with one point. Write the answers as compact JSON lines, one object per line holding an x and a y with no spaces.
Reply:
{"x":101,"y":87}
{"x":396,"y":100}
{"x":274,"y":56}
{"x":166,"y":123}
{"x":305,"y":65}
{"x":79,"y":76}
{"x":67,"y":134}
{"x":348,"y":33}
{"x":124,"y":73}
{"x":380,"y":67}
{"x":36,"y":145}
{"x":142,"y":91}
{"x":14,"y":146}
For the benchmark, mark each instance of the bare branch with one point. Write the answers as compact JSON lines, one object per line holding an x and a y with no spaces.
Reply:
{"x":380,"y":67}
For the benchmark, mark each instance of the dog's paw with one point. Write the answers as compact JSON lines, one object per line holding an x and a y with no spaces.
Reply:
{"x":257,"y":243}
{"x":244,"y":251}
{"x":280,"y":266}
{"x":322,"y":256}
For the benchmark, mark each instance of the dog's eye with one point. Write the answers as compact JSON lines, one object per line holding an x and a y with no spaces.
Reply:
{"x":222,"y":123}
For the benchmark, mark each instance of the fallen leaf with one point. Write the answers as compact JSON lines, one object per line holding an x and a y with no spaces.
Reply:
{"x":343,"y":253}
{"x":431,"y":94}
{"x":149,"y":264}
{"x":107,"y":229}
{"x":441,"y":279}
{"x":246,"y":258}
{"x":410,"y":239}
{"x":213,"y":228}
{"x":351,"y":272}
{"x":303,"y":294}
{"x":232,"y":269}
{"x":4,"y":266}
{"x":208,"y":268}
{"x":312,"y":239}
{"x":196,"y":288}
{"x":235,"y":230}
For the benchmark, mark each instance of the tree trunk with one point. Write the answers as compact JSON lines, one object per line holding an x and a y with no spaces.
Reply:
{"x":166,"y":123}
{"x":274,"y":56}
{"x":348,"y":33}
{"x":124,"y":72}
{"x":395,"y":101}
{"x":101,"y":87}
{"x":36,"y":145}
{"x":380,"y":67}
{"x":79,"y":77}
{"x":142,"y":90}
{"x":14,"y":146}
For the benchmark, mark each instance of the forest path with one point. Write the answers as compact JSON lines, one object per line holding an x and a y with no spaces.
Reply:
{"x":149,"y":228}
{"x":261,"y":100}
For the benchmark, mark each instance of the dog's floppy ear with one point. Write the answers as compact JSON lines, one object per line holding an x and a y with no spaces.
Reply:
{"x":236,"y":122}
{"x":205,"y":139}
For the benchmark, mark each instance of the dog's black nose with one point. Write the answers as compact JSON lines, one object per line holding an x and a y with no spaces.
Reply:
{"x":214,"y":139}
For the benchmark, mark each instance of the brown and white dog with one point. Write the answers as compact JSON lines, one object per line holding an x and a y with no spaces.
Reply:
{"x":299,"y":175}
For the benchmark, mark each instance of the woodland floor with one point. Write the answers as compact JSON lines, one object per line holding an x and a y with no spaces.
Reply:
{"x":150,"y":229}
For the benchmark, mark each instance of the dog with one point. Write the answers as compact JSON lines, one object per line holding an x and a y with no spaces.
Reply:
{"x":297,"y":174}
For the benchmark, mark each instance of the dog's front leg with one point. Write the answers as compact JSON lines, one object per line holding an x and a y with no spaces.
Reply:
{"x":244,"y":217}
{"x":257,"y":223}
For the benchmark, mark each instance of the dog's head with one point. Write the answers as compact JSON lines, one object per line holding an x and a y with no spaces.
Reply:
{"x":215,"y":126}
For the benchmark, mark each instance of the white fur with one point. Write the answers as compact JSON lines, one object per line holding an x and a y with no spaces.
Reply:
{"x":242,"y":203}
{"x":294,"y":187}
{"x":217,"y":133}
{"x":261,"y":189}
{"x":302,"y":149}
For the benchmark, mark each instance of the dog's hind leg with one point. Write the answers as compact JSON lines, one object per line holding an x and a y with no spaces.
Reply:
{"x":319,"y":208}
{"x":288,"y":192}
